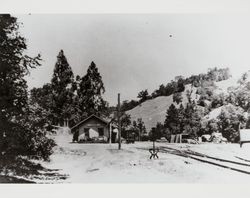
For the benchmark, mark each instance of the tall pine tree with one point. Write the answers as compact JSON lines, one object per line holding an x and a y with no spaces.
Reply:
{"x":90,"y":92}
{"x":172,"y":122}
{"x":192,"y":119}
{"x":63,"y":88}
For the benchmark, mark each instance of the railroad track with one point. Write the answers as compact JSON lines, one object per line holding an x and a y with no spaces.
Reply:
{"x":237,"y":166}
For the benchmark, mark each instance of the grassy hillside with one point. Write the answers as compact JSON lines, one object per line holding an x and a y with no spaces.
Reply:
{"x":154,"y":110}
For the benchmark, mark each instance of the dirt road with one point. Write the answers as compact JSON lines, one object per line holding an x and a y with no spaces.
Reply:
{"x":105,"y":163}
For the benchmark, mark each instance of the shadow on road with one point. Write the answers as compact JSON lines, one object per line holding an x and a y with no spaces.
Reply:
{"x":27,"y":170}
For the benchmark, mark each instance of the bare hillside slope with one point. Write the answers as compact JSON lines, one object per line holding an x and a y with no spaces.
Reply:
{"x":154,"y":110}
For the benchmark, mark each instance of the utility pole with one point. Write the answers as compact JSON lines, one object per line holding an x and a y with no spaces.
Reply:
{"x":119,"y":122}
{"x":110,"y":132}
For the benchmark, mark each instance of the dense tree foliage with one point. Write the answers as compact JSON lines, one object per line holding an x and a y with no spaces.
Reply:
{"x":206,"y":90}
{"x":143,"y":95}
{"x":62,"y":85}
{"x":240,"y":95}
{"x":229,"y":120}
{"x":125,"y":122}
{"x":192,"y":119}
{"x":218,"y":100}
{"x":128,"y":105}
{"x":248,"y":123}
{"x":159,"y":132}
{"x":42,"y":97}
{"x":183,"y":120}
{"x":217,"y":75}
{"x":177,"y":97}
{"x":172,"y":122}
{"x":210,"y":127}
{"x":138,"y":127}
{"x":21,"y":132}
{"x":90,"y":92}
{"x":126,"y":125}
{"x":66,"y":99}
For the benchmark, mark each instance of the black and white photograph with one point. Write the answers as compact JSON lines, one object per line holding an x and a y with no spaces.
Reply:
{"x":124,"y":98}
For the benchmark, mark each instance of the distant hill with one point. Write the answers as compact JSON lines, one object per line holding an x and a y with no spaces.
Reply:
{"x":154,"y":110}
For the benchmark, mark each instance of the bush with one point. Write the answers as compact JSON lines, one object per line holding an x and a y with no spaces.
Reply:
{"x":145,"y":138}
{"x":177,"y":97}
{"x":229,"y":120}
{"x":35,"y":135}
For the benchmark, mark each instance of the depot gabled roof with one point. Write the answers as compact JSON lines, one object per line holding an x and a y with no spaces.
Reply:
{"x":101,"y":119}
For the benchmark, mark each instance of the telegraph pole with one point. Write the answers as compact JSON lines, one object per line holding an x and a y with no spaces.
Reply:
{"x":110,"y":133}
{"x":119,"y":122}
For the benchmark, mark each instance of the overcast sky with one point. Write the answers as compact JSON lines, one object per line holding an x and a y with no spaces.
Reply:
{"x":136,"y":52}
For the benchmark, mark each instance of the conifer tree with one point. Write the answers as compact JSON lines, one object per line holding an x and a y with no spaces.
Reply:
{"x":172,"y":122}
{"x":159,"y":131}
{"x":181,"y":117}
{"x":63,"y":88}
{"x":90,"y":92}
{"x":192,"y":119}
{"x":143,"y":95}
